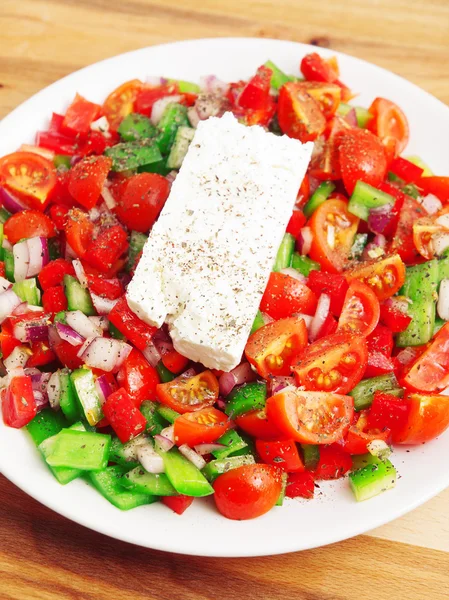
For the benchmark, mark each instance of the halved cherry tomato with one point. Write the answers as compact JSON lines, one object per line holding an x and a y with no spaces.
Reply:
{"x":30,"y":176}
{"x":425,"y":230}
{"x":362,"y":158}
{"x":387,"y":412}
{"x":389,"y":121}
{"x":142,"y":200}
{"x":438,"y":186}
{"x":202,"y":426}
{"x":360,"y":435}
{"x":334,"y":463}
{"x":430,"y":372}
{"x":328,"y":96}
{"x":247,"y":492}
{"x":296,"y":223}
{"x":273,"y":347}
{"x":187,"y":394}
{"x":257,"y":424}
{"x":79,"y":231}
{"x":428,"y":417}
{"x":316,"y":68}
{"x":87,"y":178}
{"x":28,"y":224}
{"x":311,"y":417}
{"x":282,"y":454}
{"x":332,"y":252}
{"x":384,"y":276}
{"x":120,"y":103}
{"x":148,"y":95}
{"x":299,"y":114}
{"x":300,"y":485}
{"x":285,"y":295}
{"x":325,"y":163}
{"x":402,"y":243}
{"x":361,"y":310}
{"x":138,"y":378}
{"x":79,"y":116}
{"x":332,"y":364}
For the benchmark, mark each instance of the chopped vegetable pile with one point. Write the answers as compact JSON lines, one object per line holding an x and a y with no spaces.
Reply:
{"x":348,"y":353}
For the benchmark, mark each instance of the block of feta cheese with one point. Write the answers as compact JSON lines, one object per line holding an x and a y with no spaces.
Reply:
{"x":207,"y":260}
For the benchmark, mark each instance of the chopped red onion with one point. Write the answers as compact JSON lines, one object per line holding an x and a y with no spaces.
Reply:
{"x":322,"y":310}
{"x":18,"y":358}
{"x":78,"y":321}
{"x":189,"y":373}
{"x":152,"y":355}
{"x":68,"y":334}
{"x":38,"y":255}
{"x":159,"y":107}
{"x":104,"y":387}
{"x":294,"y":274}
{"x":407,"y":355}
{"x":10,"y":202}
{"x":313,"y":184}
{"x":22,"y":309}
{"x":170,"y":177}
{"x":103,"y":306}
{"x":164,"y":443}
{"x":69,"y":252}
{"x":163,"y":346}
{"x":440,"y":242}
{"x":53,"y":336}
{"x":379,"y":218}
{"x":108,"y":198}
{"x":32,"y":331}
{"x":39,"y":380}
{"x":278,"y":383}
{"x":191,"y":455}
{"x":209,"y":105}
{"x":155,"y":81}
{"x":21,"y":260}
{"x":130,"y":448}
{"x":4,"y":284}
{"x":80,"y":272}
{"x":351,"y":118}
{"x":54,"y":390}
{"x":106,"y":354}
{"x":239,"y":375}
{"x":443,"y":300}
{"x":9,"y":301}
{"x":266,"y":318}
{"x":204,"y":449}
{"x":431,"y":203}
{"x":40,"y":399}
{"x":221,"y":403}
{"x":101,"y":125}
{"x":149,"y":458}
{"x":100,"y":322}
{"x":211,"y":83}
{"x":304,"y":241}
{"x":380,"y":240}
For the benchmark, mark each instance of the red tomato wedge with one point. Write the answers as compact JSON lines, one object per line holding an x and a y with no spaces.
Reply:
{"x":203,"y":426}
{"x":361,"y":310}
{"x":87,"y":178}
{"x":120,"y":103}
{"x":257,"y":424}
{"x":187,"y":394}
{"x":384,"y":277}
{"x":311,"y":417}
{"x":285,"y":296}
{"x":360,"y":435}
{"x":362,"y":158}
{"x":389,"y":122}
{"x":430,"y":372}
{"x":28,"y":224}
{"x":428,"y":417}
{"x":299,"y":115}
{"x":282,"y":454}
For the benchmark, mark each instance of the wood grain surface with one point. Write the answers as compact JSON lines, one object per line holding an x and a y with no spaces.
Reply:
{"x":45,"y":557}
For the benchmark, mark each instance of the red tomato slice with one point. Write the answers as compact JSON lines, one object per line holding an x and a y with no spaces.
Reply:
{"x":18,"y":403}
{"x":332,"y":251}
{"x":428,"y":417}
{"x":30,"y":176}
{"x":28,"y":224}
{"x":299,"y":114}
{"x":120,"y":103}
{"x":256,"y":93}
{"x":142,"y":200}
{"x":285,"y":295}
{"x":282,"y":454}
{"x":79,"y":231}
{"x":362,"y":158}
{"x":79,"y":116}
{"x":327,"y":95}
{"x":257,"y":425}
{"x":325,"y":163}
{"x":332,"y":364}
{"x":107,"y":248}
{"x":87,"y":179}
{"x":333,"y":464}
{"x":402,"y":242}
{"x":273,"y":347}
{"x":311,"y":417}
{"x":360,"y":435}
{"x":384,"y":277}
{"x":188,"y":394}
{"x":203,"y":426}
{"x":430,"y":372}
{"x":361,"y":310}
{"x":247,"y":492}
{"x":389,"y":122}
{"x":316,"y":68}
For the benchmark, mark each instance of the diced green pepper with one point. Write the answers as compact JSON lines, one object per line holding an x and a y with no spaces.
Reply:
{"x":88,"y":397}
{"x":363,"y":393}
{"x":258,"y":322}
{"x":136,"y":243}
{"x":80,"y":450}
{"x":64,"y":475}
{"x":278,"y":77}
{"x":362,"y":460}
{"x":164,"y":374}
{"x":155,"y":423}
{"x":62,"y":161}
{"x":8,"y":257}
{"x":167,"y":413}
{"x":439,"y":323}
{"x":358,"y":246}
{"x":68,"y":400}
{"x":304,"y":264}
{"x":365,"y":197}
{"x":180,"y":146}
{"x":45,"y":424}
{"x":233,"y":442}
{"x":284,"y":479}
{"x":4,"y":215}
{"x":249,"y":396}
{"x":28,"y":291}
{"x":77,"y":297}
{"x":130,"y":155}
{"x":320,"y":195}
{"x":115,"y":333}
{"x":118,"y":453}
{"x":159,"y":167}
{"x":285,"y":253}
{"x":136,"y":127}
{"x":143,"y":482}
{"x":108,"y":483}
{"x":217,"y":467}
{"x":443,"y":269}
{"x":184,"y":476}
{"x":311,"y":455}
{"x":173,"y":117}
{"x":186,"y":87}
{"x":362,"y":114}
{"x":411,"y":190}
{"x":54,"y":248}
{"x":372,"y":480}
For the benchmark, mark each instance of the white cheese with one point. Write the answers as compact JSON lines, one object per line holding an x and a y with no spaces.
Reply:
{"x":207,"y":261}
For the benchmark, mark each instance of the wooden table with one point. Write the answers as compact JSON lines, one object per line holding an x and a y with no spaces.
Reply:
{"x":45,"y":557}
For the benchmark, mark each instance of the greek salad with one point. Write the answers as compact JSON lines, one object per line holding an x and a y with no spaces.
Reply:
{"x":347,"y":356}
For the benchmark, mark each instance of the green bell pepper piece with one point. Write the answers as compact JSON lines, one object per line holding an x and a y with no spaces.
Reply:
{"x":247,"y":397}
{"x":364,"y":197}
{"x":28,"y":291}
{"x":186,"y":87}
{"x":130,"y":155}
{"x":304,"y":264}
{"x":143,"y":482}
{"x":80,"y":450}
{"x":86,"y":392}
{"x":233,"y":442}
{"x":372,"y":480}
{"x":167,"y":413}
{"x":258,"y":322}
{"x":184,"y":476}
{"x":285,"y":253}
{"x":278,"y":77}
{"x":62,"y":162}
{"x":45,"y":424}
{"x":136,"y":243}
{"x":311,"y":455}
{"x":108,"y":483}
{"x":136,"y":127}
{"x":363,"y":393}
{"x":115,"y":333}
{"x":222,"y":465}
{"x":4,"y":215}
{"x":362,"y":114}
{"x":320,"y":195}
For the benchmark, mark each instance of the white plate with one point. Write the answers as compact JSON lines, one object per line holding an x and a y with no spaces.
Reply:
{"x":298,"y":525}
